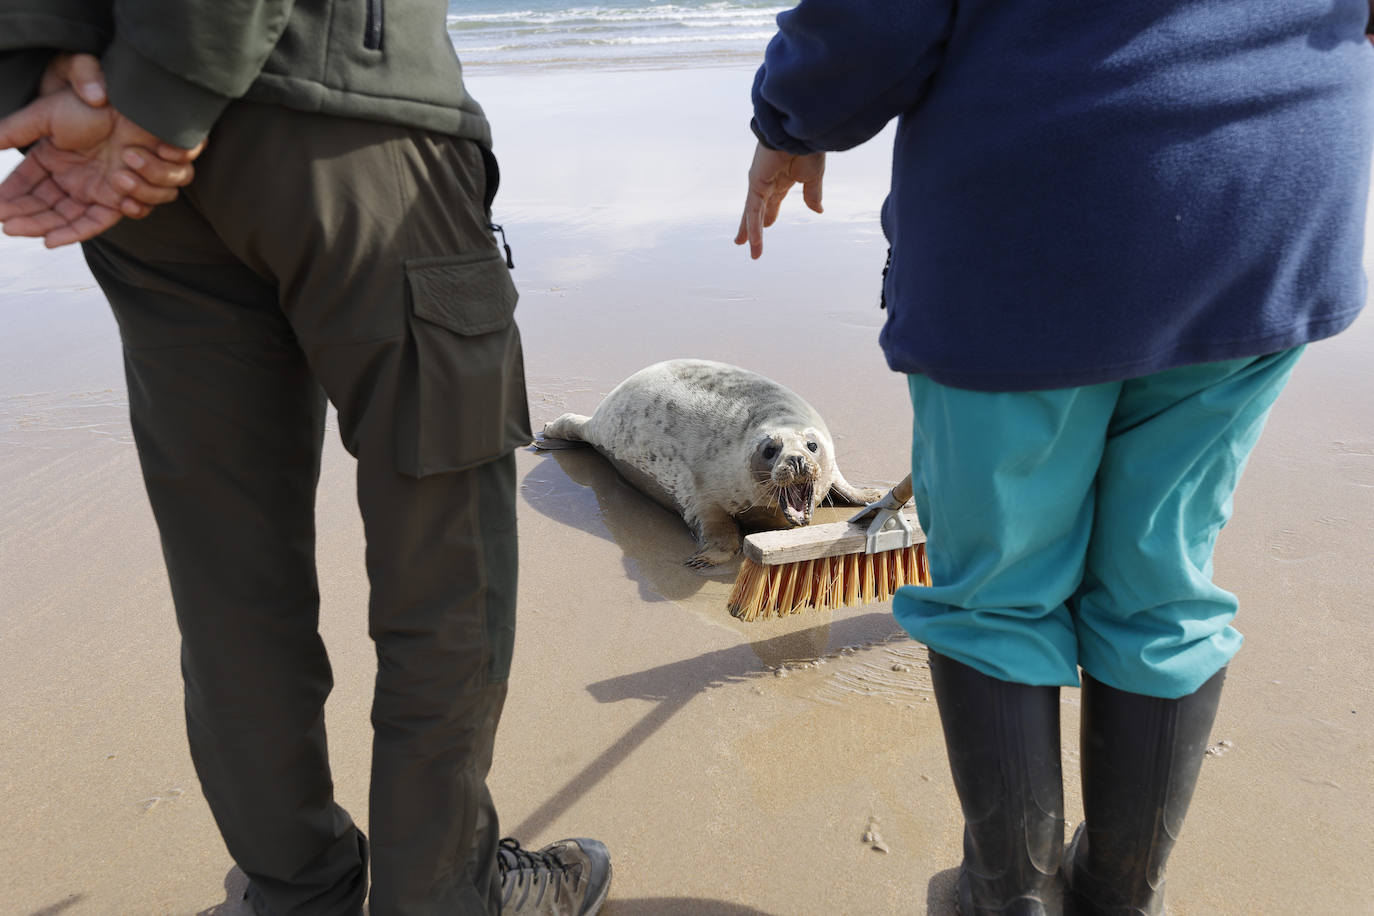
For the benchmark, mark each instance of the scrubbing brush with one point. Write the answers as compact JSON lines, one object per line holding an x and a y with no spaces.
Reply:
{"x":835,"y":565}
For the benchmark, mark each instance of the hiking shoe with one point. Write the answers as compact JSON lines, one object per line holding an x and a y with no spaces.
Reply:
{"x":567,"y":878}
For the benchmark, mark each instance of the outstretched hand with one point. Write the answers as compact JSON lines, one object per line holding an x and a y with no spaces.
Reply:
{"x":88,"y":165}
{"x":771,"y":175}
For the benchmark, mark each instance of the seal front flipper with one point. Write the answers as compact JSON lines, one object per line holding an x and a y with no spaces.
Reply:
{"x":565,"y":432}
{"x":842,"y":491}
{"x":544,"y":444}
{"x":718,"y":538}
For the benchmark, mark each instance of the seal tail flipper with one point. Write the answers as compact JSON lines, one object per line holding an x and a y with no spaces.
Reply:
{"x":564,"y":432}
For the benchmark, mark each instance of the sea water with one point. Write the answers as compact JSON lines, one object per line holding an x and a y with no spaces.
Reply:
{"x":502,"y":34}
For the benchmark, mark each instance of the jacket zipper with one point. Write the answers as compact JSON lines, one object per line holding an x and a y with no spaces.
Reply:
{"x":372,"y":30}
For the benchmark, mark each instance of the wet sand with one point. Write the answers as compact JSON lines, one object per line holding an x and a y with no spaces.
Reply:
{"x":732,"y":768}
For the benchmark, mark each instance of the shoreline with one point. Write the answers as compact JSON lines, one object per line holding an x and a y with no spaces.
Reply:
{"x":717,"y":60}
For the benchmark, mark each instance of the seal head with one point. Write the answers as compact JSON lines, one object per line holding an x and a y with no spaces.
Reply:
{"x":786,"y":465}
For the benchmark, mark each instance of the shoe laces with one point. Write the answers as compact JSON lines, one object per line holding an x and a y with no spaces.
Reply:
{"x":522,"y":861}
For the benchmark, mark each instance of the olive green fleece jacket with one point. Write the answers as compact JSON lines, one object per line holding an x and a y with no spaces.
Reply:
{"x":173,"y":65}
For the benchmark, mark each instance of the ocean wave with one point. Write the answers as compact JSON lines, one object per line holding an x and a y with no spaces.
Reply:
{"x":675,"y":39}
{"x":628,"y":41}
{"x":657,"y":14}
{"x":506,"y":31}
{"x":672,"y":31}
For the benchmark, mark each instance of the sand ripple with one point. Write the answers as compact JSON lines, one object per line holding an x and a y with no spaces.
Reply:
{"x":101,"y":414}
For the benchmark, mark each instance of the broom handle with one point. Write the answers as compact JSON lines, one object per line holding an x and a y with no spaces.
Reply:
{"x":901,"y":494}
{"x":886,"y":519}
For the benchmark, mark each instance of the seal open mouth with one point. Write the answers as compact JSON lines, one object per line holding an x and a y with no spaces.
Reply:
{"x":795,"y":502}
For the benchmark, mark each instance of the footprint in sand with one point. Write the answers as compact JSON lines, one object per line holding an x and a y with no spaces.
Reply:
{"x":171,"y":795}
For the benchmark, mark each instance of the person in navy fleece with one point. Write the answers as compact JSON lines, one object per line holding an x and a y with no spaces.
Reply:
{"x":1113,"y":227}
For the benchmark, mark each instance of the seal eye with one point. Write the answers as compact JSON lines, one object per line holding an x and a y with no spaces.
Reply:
{"x":770,"y":452}
{"x":814,"y":446}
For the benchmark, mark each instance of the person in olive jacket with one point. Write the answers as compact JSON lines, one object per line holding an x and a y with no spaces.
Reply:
{"x":332,"y":244}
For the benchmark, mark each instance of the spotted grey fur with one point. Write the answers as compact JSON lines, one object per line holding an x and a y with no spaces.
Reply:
{"x":721,"y":446}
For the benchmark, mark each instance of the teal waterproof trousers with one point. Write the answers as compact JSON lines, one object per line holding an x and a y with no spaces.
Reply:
{"x":1075,"y":527}
{"x":317,"y":258}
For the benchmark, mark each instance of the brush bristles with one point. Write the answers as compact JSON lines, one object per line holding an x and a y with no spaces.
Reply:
{"x":825,"y":584}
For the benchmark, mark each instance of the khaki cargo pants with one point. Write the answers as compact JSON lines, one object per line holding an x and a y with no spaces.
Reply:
{"x":320,"y":257}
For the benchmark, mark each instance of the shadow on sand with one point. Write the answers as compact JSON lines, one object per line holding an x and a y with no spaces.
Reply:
{"x":235,"y":884}
{"x":678,"y":906}
{"x":940,"y":893}
{"x":60,"y":906}
{"x":671,"y":687}
{"x":581,"y":489}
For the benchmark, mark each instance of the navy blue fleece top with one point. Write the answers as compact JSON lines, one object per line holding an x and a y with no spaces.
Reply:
{"x":1089,"y":190}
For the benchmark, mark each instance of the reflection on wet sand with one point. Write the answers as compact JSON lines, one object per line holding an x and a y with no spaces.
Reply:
{"x":580,"y":489}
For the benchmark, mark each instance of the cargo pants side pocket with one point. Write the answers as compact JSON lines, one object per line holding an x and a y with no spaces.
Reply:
{"x":469,"y":404}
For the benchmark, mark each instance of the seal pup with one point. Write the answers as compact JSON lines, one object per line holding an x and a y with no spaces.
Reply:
{"x":723,"y":447}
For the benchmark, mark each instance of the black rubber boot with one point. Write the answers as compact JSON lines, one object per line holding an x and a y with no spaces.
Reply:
{"x":1003,"y":744}
{"x":1141,"y":757}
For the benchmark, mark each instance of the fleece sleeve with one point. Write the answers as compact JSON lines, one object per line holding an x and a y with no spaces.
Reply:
{"x":838,"y":70}
{"x":174,"y":65}
{"x":20,"y":72}
{"x":32,"y":31}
